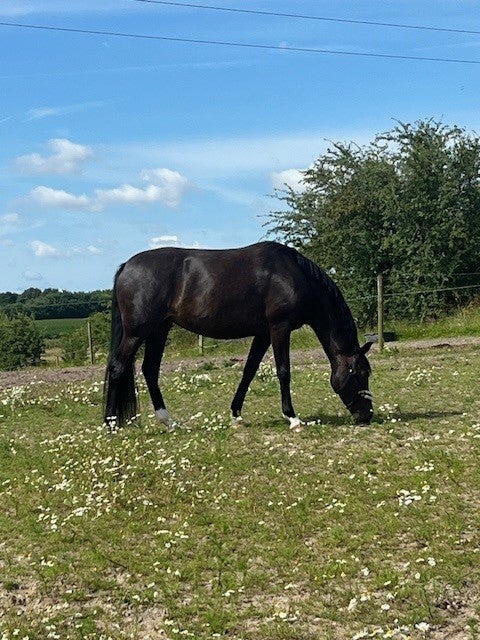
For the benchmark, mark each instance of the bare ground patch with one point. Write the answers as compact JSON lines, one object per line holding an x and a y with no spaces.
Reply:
{"x":40,"y":375}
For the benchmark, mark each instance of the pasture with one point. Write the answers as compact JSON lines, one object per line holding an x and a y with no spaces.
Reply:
{"x":338,"y":532}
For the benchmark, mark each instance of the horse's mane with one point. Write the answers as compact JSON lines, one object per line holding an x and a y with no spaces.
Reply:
{"x":312,"y":270}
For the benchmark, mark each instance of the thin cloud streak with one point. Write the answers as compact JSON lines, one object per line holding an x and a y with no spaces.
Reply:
{"x":224,"y":157}
{"x":39,"y":113}
{"x":9,"y":8}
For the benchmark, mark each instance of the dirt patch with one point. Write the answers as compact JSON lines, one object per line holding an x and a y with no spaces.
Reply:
{"x":31,"y":375}
{"x":9,"y":379}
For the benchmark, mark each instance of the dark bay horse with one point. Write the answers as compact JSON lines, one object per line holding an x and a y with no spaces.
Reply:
{"x":265,"y":290}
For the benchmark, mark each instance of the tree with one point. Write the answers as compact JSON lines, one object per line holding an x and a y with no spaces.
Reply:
{"x":20,"y":341}
{"x":75,"y":345}
{"x":29,"y":294}
{"x":406,"y":206}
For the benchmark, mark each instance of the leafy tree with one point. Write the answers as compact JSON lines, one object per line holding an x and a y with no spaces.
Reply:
{"x":8,"y":298}
{"x":20,"y":342}
{"x":75,"y":345}
{"x":406,"y":206}
{"x":30,"y":294}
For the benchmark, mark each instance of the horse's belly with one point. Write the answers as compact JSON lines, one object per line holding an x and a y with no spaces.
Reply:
{"x":224,"y":325}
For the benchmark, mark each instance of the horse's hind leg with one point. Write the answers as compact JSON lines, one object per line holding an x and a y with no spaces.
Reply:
{"x":154,"y":347}
{"x":258,"y":349}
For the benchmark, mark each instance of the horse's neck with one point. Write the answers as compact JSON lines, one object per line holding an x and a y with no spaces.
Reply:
{"x":336,"y":346}
{"x":336,"y":333}
{"x":332,"y":319}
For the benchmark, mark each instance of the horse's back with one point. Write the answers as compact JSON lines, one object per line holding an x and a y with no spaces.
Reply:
{"x":221,"y":293}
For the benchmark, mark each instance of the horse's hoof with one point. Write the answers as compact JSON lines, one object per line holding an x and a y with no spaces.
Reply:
{"x":163,"y":416}
{"x":111,"y":424}
{"x":237,"y":421}
{"x":296,"y":424}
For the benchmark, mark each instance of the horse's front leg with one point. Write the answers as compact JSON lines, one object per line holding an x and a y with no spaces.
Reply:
{"x":258,"y":349}
{"x":154,"y":347}
{"x":280,"y":337}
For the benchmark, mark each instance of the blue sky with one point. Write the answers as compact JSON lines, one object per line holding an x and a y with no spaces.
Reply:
{"x":111,"y":145}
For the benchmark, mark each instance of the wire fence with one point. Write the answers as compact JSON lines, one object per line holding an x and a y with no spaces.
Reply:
{"x":380,"y":299}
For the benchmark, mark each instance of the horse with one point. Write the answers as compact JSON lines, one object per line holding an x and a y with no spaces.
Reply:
{"x":265,"y":291}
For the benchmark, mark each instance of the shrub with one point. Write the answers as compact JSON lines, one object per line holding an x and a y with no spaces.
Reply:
{"x":75,"y":345}
{"x":21,"y":344}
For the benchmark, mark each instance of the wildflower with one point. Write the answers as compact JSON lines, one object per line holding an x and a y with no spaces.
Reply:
{"x":352,"y":605}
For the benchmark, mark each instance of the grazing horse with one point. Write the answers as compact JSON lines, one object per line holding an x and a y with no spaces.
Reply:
{"x":265,"y":290}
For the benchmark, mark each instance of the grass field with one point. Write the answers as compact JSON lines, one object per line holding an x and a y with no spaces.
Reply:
{"x":55,"y":328}
{"x":250,"y":533}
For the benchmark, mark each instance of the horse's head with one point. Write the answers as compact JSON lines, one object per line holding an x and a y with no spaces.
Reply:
{"x":350,"y":380}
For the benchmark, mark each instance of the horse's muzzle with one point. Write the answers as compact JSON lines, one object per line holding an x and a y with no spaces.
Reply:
{"x":362,"y":410}
{"x":362,"y":417}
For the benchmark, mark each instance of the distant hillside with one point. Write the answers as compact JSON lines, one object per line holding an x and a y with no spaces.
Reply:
{"x":55,"y":303}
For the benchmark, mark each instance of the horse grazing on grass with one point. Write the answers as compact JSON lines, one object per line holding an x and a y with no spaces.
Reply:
{"x":265,"y":290}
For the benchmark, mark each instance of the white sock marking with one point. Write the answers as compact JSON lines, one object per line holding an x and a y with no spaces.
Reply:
{"x":295,"y":423}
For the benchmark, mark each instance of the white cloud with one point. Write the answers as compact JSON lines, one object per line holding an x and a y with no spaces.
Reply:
{"x":172,"y":183}
{"x":94,"y":250}
{"x":44,"y":250}
{"x":164,"y":241}
{"x":32,"y":276}
{"x":291,"y":177}
{"x":128,"y":194}
{"x":10,"y":220}
{"x":59,"y":199}
{"x":166,"y":186}
{"x":11,"y":223}
{"x":65,"y":157}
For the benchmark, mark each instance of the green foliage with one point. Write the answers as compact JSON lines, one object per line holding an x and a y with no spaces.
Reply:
{"x":54,"y":303}
{"x":405,"y":206}
{"x":20,"y":342}
{"x":75,"y":347}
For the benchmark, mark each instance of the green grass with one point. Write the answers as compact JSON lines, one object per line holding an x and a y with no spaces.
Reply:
{"x":464,"y":322}
{"x":56,"y":328}
{"x":252,"y":532}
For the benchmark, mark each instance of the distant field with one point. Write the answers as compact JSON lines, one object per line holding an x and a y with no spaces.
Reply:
{"x":55,"y":328}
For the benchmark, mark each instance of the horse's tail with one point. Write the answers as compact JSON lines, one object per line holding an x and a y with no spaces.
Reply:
{"x":120,"y":393}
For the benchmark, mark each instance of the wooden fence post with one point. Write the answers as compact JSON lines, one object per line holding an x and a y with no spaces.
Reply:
{"x":200,"y":345}
{"x":90,"y":342}
{"x":380,"y":311}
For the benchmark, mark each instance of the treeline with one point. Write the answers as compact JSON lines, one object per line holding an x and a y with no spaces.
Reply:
{"x":406,"y":206}
{"x":54,"y":303}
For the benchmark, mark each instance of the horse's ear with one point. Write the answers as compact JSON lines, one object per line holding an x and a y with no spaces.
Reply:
{"x":366,"y":347}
